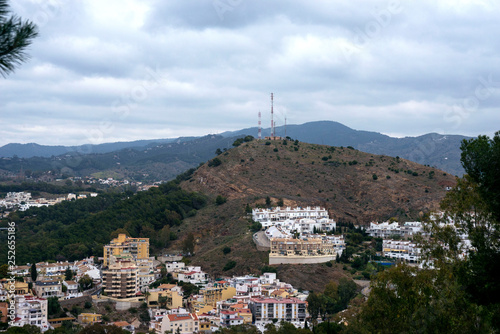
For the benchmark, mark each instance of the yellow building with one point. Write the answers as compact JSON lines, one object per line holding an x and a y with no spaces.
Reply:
{"x":213,"y":295}
{"x":172,"y":294}
{"x":21,"y":288}
{"x":89,"y":318}
{"x":137,"y":247}
{"x":243,"y":311}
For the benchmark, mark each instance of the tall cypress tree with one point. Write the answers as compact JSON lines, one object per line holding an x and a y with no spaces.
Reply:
{"x":34,"y":274}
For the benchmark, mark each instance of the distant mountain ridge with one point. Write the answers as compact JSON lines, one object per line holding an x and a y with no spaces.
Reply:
{"x":441,"y":151}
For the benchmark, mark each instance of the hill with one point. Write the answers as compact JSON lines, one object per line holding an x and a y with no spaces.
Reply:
{"x":441,"y":151}
{"x":355,"y":187}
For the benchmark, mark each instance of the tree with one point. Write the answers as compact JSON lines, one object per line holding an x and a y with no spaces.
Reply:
{"x":33,"y":272}
{"x":4,"y":270}
{"x":412,"y":300}
{"x":268,"y":201}
{"x":86,"y":282}
{"x":316,"y":305}
{"x":53,"y":306}
{"x":481,"y":160}
{"x":457,"y":293}
{"x":68,"y":274}
{"x":15,"y":36}
{"x":102,"y":329}
{"x":346,"y":291}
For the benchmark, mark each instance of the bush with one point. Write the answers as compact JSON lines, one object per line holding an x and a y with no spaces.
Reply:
{"x":226,"y":250}
{"x":229,"y":265}
{"x":88,"y":304}
{"x":256,"y":227}
{"x":268,"y":269}
{"x":268,"y":143}
{"x":275,"y":149}
{"x":375,"y":177}
{"x":214,"y":162}
{"x":220,"y":200}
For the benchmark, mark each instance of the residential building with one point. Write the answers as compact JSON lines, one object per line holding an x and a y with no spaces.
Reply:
{"x":287,"y":309}
{"x":281,"y":214}
{"x":45,"y":289}
{"x":401,"y":249}
{"x":72,"y":287}
{"x":230,"y":318}
{"x":185,"y":323}
{"x":137,"y":247}
{"x":89,"y":318}
{"x":166,"y":295}
{"x":211,"y":295}
{"x":302,"y":247}
{"x":120,"y":279}
{"x":31,"y":311}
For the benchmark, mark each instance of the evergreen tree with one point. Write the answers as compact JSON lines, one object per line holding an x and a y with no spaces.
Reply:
{"x":15,"y":36}
{"x":33,"y":272}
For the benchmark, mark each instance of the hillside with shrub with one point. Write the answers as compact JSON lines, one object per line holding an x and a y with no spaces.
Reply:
{"x":355,"y":187}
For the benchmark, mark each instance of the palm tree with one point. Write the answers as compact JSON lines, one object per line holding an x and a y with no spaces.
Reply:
{"x":15,"y":36}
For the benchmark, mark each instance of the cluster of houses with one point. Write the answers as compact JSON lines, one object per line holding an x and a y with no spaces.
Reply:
{"x":397,"y":239}
{"x":227,"y":302}
{"x":300,"y":235}
{"x":127,"y":273}
{"x":30,"y":297}
{"x":23,"y":200}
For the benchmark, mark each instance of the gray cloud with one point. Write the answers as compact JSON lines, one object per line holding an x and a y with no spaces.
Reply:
{"x":125,"y":70}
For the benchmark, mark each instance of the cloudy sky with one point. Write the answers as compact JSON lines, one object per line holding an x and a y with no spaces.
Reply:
{"x":116,"y":70}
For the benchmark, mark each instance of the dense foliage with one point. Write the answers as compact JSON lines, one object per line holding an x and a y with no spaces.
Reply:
{"x":458,"y":289}
{"x":76,"y":229}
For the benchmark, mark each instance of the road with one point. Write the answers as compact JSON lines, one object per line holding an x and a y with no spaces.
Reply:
{"x":261,"y":240}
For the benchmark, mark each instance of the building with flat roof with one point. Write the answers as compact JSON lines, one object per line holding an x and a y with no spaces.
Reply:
{"x":287,"y":309}
{"x":137,"y":247}
{"x":120,"y":279}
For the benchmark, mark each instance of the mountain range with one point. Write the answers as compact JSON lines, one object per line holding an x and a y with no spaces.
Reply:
{"x":441,"y":151}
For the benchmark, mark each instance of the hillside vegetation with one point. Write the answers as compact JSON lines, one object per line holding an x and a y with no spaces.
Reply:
{"x":75,"y":229}
{"x":355,"y":187}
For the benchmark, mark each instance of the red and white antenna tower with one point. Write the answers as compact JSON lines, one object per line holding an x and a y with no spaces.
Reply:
{"x":272,"y":117}
{"x":260,"y":127}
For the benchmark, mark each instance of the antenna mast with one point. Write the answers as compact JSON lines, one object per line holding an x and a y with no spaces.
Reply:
{"x":272,"y":118}
{"x":260,"y":128}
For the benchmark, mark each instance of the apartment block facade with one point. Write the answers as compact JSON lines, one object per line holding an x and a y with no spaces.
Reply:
{"x":137,"y":247}
{"x":287,"y":309}
{"x":120,"y":280}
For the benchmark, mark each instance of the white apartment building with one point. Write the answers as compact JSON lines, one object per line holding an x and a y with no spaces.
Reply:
{"x":31,"y":311}
{"x":402,"y":250}
{"x":287,"y":309}
{"x":267,"y":217}
{"x":386,"y":229}
{"x":173,"y":266}
{"x":193,"y":275}
{"x":230,"y":318}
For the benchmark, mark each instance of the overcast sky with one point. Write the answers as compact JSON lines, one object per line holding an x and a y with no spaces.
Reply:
{"x":119,"y":70}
